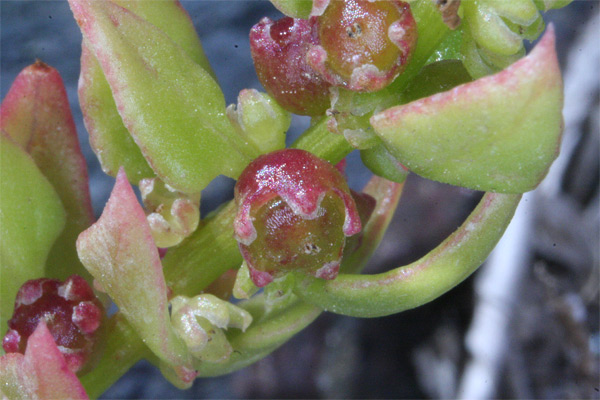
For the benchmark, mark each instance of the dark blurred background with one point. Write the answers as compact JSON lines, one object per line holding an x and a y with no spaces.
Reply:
{"x":521,"y":327}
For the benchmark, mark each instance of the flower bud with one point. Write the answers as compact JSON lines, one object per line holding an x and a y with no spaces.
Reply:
{"x":171,"y":214}
{"x":294,"y":213}
{"x":70,"y":310}
{"x":279,"y":52}
{"x":364,"y":45}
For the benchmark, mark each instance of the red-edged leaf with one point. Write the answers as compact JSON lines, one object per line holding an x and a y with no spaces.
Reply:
{"x":42,"y":373}
{"x":36,"y":115}
{"x":120,"y":253}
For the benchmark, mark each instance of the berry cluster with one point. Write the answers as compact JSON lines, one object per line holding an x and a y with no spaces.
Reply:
{"x":359,"y":45}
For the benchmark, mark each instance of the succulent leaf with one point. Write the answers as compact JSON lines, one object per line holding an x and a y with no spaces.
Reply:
{"x":36,"y":114}
{"x":31,"y":219}
{"x":109,"y":137}
{"x":153,"y":79}
{"x":499,"y":133}
{"x":120,"y":253}
{"x":42,"y":373}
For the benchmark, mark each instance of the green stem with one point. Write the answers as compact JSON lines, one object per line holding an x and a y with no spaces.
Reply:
{"x":424,"y":280}
{"x":320,"y":141}
{"x":123,"y":349}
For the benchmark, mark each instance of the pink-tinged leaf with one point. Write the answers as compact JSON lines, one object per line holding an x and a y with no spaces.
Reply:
{"x":499,"y":133}
{"x":120,"y":253}
{"x":170,"y":105}
{"x":55,"y":379}
{"x":35,"y":113}
{"x":17,"y":378}
{"x":109,"y":138}
{"x":42,"y":373}
{"x":31,"y":219}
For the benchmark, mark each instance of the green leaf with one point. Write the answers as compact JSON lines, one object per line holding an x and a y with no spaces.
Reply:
{"x":109,"y":138}
{"x":499,"y":133}
{"x":415,"y":284}
{"x":294,"y":8}
{"x":119,"y":252}
{"x":31,"y":218}
{"x":36,"y":114}
{"x":172,"y":107}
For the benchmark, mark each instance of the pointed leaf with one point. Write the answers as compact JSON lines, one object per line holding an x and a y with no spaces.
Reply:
{"x":109,"y":138}
{"x":120,"y":253}
{"x":171,"y":106}
{"x":55,"y":379}
{"x":499,"y":133}
{"x":31,"y":218}
{"x":36,"y":114}
{"x":42,"y":373}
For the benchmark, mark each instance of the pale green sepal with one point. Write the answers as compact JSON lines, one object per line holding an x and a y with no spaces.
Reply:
{"x":258,"y":118}
{"x":415,"y":284}
{"x":200,"y":321}
{"x":244,"y":288}
{"x":499,"y":133}
{"x":31,"y":219}
{"x":488,"y":28}
{"x":172,"y":215}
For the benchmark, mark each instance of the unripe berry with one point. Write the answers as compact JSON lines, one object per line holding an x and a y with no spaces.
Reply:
{"x":72,"y":314}
{"x":294,"y":213}
{"x":363,"y":45}
{"x":279,"y":52}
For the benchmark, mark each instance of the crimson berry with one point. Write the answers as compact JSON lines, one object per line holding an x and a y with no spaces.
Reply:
{"x":294,"y":213}
{"x":279,"y":52}
{"x":72,"y":314}
{"x":364,"y":45}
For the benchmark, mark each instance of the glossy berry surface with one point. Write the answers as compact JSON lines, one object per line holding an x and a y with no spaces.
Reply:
{"x":294,"y":212}
{"x":70,"y":310}
{"x":364,"y":45}
{"x":279,"y":52}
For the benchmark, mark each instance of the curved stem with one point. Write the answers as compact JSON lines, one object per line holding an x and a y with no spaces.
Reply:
{"x":422,"y":281}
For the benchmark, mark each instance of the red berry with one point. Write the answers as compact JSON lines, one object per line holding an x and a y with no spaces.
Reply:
{"x":364,"y":45}
{"x":279,"y":52}
{"x":294,"y":212}
{"x":71,"y":311}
